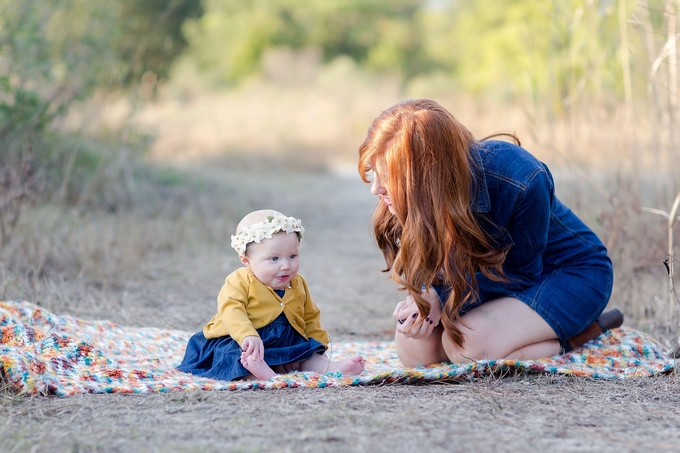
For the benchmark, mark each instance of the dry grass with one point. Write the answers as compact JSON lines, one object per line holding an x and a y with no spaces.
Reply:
{"x":513,"y":414}
{"x":79,"y":258}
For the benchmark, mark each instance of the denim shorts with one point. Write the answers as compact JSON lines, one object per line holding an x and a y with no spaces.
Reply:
{"x":569,"y":298}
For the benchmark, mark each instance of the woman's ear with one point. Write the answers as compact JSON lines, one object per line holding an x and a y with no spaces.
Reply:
{"x":244,"y":260}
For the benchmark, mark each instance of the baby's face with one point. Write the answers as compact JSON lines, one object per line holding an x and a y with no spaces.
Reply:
{"x":274,"y":261}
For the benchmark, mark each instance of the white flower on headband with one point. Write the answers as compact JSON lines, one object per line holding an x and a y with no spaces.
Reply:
{"x":264,"y":230}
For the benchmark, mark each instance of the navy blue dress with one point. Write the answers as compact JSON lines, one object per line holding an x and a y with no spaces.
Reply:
{"x":220,"y":358}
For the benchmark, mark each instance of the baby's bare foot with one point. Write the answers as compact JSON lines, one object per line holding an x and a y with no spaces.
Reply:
{"x":258,"y":368}
{"x":350,"y":367}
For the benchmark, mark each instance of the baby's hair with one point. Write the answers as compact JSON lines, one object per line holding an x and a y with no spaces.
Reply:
{"x":255,"y":217}
{"x":262,"y":224}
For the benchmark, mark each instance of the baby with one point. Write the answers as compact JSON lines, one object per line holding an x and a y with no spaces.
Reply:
{"x":266,"y":321}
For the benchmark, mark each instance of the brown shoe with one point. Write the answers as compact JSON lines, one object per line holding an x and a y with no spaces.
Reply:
{"x":610,"y":319}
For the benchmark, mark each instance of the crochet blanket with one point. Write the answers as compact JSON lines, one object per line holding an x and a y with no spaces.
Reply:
{"x":42,"y":353}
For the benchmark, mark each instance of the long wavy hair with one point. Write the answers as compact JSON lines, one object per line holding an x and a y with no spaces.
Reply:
{"x":422,"y":155}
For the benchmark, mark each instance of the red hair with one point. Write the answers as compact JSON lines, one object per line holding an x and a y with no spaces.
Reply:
{"x":422,"y":155}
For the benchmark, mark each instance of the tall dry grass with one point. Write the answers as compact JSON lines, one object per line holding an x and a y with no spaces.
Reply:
{"x":87,"y":258}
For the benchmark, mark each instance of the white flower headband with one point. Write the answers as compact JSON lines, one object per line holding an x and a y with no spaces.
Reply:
{"x":264,"y":230}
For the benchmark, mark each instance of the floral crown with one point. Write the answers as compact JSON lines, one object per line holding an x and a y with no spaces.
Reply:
{"x":264,"y":230}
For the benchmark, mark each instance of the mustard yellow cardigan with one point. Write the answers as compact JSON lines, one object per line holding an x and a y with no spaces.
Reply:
{"x":245,"y":304}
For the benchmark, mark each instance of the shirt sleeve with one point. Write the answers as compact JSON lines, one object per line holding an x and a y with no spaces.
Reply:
{"x":231,"y":308}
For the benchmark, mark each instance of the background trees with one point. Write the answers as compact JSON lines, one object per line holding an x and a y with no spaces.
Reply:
{"x":57,"y":52}
{"x":554,"y":58}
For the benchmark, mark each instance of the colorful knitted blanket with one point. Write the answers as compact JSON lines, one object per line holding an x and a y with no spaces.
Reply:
{"x":42,"y":353}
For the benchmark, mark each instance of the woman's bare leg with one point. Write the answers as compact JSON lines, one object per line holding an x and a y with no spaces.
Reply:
{"x":503,"y":328}
{"x":534,"y":351}
{"x":421,"y":352}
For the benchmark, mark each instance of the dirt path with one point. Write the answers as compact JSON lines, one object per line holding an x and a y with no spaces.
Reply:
{"x":342,"y":266}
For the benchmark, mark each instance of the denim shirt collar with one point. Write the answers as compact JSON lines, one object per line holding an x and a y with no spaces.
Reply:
{"x":479,"y":201}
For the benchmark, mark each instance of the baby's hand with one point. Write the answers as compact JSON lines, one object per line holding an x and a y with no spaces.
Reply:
{"x":253,"y":347}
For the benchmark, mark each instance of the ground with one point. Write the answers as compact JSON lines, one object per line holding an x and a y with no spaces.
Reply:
{"x":178,"y":289}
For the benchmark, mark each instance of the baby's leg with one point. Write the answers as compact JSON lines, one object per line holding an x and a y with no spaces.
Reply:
{"x":322,"y":364}
{"x":258,"y":368}
{"x":286,"y":368}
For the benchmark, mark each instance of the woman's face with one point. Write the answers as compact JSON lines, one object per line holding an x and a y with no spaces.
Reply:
{"x":379,"y":188}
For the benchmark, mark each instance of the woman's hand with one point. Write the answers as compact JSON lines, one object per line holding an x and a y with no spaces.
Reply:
{"x":253,"y":348}
{"x":404,"y":309}
{"x":409,"y":319}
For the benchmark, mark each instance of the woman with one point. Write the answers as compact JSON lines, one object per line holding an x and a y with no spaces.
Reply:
{"x":495,"y":266}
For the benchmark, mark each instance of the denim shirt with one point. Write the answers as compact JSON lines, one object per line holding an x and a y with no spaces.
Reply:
{"x":515,"y":203}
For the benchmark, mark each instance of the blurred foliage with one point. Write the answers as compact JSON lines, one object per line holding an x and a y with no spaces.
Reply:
{"x":229,"y":40}
{"x":529,"y":47}
{"x":53,"y":53}
{"x":513,"y":48}
{"x":150,"y":34}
